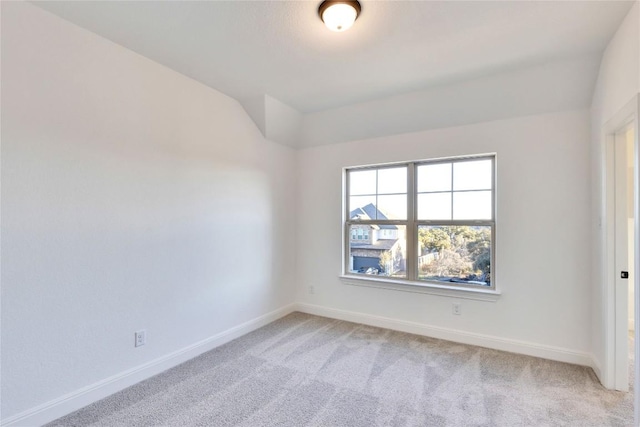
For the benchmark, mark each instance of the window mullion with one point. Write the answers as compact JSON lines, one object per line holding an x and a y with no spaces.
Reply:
{"x":346,"y":232}
{"x":377,"y":205}
{"x":452,"y":169}
{"x":411,"y":230}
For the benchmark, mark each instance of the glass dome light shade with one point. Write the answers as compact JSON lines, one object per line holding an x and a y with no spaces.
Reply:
{"x":339,"y":15}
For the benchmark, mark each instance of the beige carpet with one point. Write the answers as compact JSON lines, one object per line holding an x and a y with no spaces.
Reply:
{"x":305,"y":370}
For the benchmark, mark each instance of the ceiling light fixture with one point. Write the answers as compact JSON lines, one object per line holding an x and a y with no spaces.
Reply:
{"x":339,"y":15}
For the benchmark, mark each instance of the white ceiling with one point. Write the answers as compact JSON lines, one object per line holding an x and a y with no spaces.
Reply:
{"x":281,"y":49}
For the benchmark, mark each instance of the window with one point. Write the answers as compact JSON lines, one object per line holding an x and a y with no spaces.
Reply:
{"x":425,"y":222}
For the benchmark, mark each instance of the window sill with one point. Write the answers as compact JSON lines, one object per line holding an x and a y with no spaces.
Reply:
{"x":490,"y":295}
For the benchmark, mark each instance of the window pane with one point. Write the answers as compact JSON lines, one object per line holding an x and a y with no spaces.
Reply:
{"x":381,"y":253}
{"x":362,"y":182}
{"x":392,"y":207}
{"x":434,"y":177}
{"x":434,"y":206}
{"x":472,"y":175}
{"x":392,"y":181}
{"x":455,"y":254}
{"x":362,"y":207}
{"x":472,"y":205}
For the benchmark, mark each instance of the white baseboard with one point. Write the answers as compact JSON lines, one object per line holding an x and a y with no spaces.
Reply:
{"x":497,"y":343}
{"x":75,"y":400}
{"x":596,"y":366}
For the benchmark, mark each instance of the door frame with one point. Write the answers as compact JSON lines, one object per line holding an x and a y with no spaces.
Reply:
{"x":621,"y":243}
{"x":627,"y":116}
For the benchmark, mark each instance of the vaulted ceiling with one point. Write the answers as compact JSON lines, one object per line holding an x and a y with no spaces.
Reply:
{"x":295,"y":77}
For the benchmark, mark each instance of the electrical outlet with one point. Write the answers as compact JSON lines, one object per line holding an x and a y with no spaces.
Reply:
{"x":457,"y":308}
{"x":141,"y":338}
{"x":312,"y":290}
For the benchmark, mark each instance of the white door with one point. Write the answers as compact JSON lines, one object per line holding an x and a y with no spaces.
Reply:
{"x":622,"y":212}
{"x":622,"y":209}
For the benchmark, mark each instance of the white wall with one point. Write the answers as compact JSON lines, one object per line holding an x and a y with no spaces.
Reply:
{"x":132,"y":197}
{"x":618,"y":82}
{"x":619,"y":76}
{"x":542,"y":249}
{"x":554,"y":86}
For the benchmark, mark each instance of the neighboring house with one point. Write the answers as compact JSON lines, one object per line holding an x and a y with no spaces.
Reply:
{"x":369,"y":242}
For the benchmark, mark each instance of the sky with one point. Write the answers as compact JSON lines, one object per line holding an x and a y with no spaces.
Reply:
{"x":446,"y":191}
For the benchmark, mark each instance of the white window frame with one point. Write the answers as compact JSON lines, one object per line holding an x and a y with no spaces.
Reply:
{"x":412,"y":283}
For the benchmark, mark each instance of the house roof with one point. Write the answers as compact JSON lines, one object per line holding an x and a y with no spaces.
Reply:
{"x":370,"y":212}
{"x":380,"y":245}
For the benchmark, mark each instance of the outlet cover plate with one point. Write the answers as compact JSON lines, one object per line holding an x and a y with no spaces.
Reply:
{"x":141,"y":338}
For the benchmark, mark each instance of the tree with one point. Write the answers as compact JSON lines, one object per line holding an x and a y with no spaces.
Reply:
{"x":461,"y":251}
{"x":386,"y":262}
{"x":448,"y":263}
{"x":483,"y":263}
{"x":480,"y":250}
{"x":434,"y":239}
